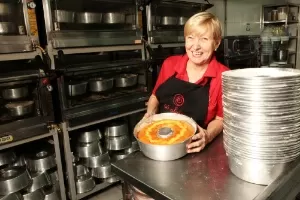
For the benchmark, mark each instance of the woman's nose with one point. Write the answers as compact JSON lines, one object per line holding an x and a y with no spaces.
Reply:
{"x":197,"y":44}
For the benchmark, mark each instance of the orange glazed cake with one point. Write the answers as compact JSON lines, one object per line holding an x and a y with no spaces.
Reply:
{"x":181,"y":130}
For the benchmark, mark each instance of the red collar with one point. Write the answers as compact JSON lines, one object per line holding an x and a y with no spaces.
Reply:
{"x":211,"y":70}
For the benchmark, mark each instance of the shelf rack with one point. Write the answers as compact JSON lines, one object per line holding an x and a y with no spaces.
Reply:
{"x":290,"y":22}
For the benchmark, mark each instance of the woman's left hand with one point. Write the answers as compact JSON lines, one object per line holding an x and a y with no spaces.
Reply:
{"x":199,"y":140}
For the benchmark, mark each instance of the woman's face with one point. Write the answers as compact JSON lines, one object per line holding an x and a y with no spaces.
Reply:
{"x":200,"y":46}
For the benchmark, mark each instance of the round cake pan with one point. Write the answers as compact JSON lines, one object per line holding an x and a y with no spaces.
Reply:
{"x":12,"y":196}
{"x":96,"y":161}
{"x":39,"y":180}
{"x":85,"y":150}
{"x":36,"y":195}
{"x":116,"y":129}
{"x":41,"y":160}
{"x":84,"y":184}
{"x":164,"y":152}
{"x":15,"y":93}
{"x":81,"y":170}
{"x":7,"y":157}
{"x":14,"y":179}
{"x":51,"y":194}
{"x":102,"y":171}
{"x":90,"y":136}
{"x":118,"y":143}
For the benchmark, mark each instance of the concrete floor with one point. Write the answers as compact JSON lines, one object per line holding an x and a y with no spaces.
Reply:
{"x":111,"y":193}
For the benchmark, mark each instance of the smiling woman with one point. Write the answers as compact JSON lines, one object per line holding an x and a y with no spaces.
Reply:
{"x":190,"y":84}
{"x":203,"y":35}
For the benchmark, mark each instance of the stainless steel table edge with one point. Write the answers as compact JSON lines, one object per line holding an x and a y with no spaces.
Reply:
{"x":279,"y":189}
{"x":283,"y":184}
{"x":139,"y":184}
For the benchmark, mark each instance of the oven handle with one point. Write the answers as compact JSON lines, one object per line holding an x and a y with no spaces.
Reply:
{"x":148,"y":47}
{"x":233,"y":45}
{"x":244,"y":57}
{"x":252,"y":44}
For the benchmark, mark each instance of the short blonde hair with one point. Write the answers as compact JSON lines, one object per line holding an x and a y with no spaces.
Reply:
{"x":203,"y":19}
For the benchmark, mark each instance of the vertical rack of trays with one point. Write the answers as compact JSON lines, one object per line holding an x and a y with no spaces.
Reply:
{"x":283,"y":21}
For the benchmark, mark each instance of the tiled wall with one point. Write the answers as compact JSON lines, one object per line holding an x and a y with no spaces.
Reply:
{"x":298,"y":26}
{"x":243,"y":16}
{"x":219,"y":10}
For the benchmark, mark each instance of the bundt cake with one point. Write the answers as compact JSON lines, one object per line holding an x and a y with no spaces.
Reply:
{"x":165,"y":132}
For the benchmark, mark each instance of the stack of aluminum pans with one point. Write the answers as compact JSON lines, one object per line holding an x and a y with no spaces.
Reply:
{"x":261,"y":121}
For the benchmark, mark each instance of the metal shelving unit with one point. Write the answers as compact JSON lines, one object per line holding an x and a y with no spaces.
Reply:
{"x":65,"y":130}
{"x":72,"y":38}
{"x":53,"y":134}
{"x":291,"y":20}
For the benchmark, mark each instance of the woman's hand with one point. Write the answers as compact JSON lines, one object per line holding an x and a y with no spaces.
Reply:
{"x":199,"y":141}
{"x":147,"y":115}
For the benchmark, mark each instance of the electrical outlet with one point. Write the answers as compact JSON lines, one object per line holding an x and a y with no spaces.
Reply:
{"x":248,"y":28}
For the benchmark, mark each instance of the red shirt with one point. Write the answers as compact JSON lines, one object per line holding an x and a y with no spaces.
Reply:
{"x":214,"y":71}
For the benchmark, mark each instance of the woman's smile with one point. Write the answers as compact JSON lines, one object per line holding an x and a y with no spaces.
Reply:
{"x":197,"y":54}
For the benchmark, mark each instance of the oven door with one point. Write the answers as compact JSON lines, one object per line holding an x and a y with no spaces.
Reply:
{"x":242,"y":45}
{"x":16,"y":30}
{"x":94,"y":92}
{"x":83,"y":23}
{"x":165,"y":20}
{"x":25,"y":103}
{"x":241,"y":62}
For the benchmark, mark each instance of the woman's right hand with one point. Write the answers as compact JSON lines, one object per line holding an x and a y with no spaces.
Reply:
{"x":147,"y":115}
{"x":152,"y":105}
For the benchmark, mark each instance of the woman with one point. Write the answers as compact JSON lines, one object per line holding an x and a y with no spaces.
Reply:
{"x":191,"y":84}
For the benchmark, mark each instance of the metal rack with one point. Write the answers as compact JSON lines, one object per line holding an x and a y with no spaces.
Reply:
{"x":53,"y":134}
{"x":69,"y":156}
{"x":287,"y":23}
{"x":64,"y":41}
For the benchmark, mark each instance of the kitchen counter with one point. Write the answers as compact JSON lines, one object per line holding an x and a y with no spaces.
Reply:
{"x":203,"y":175}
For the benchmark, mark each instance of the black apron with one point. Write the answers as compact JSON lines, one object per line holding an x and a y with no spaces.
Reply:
{"x":175,"y":95}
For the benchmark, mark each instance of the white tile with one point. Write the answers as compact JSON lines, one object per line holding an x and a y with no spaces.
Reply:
{"x":234,"y":29}
{"x":113,"y":193}
{"x":241,"y":29}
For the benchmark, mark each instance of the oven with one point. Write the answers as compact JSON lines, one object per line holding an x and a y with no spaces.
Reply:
{"x":25,"y":100}
{"x":237,"y":52}
{"x":239,"y":45}
{"x":18,"y":29}
{"x":81,"y":23}
{"x":240,"y":62}
{"x":166,"y":19}
{"x":98,"y":86}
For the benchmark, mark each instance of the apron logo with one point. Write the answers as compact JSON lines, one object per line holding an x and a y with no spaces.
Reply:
{"x":178,"y":100}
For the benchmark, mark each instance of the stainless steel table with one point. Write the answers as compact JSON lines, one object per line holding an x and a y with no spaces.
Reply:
{"x":203,"y":175}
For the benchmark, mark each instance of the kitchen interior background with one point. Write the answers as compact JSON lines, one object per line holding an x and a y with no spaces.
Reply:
{"x":239,"y":18}
{"x":243,"y":17}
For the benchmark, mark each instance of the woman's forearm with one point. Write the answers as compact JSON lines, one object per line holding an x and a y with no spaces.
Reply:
{"x":214,"y":128}
{"x":152,"y":105}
